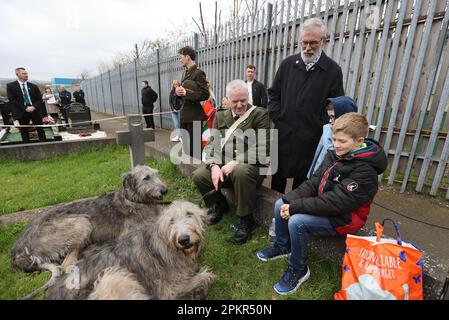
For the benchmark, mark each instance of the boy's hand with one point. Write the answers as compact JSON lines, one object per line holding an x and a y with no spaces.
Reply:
{"x":285,"y":211}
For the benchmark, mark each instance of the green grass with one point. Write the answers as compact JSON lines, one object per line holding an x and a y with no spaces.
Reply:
{"x":239,"y":274}
{"x":15,"y":284}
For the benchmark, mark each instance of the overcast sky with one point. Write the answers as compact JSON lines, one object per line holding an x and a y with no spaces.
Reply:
{"x":53,"y":38}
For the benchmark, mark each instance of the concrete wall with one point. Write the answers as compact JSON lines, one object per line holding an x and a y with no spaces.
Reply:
{"x":46,"y":150}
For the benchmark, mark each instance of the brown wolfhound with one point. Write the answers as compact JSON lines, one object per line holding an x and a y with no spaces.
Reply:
{"x":156,"y":261}
{"x":59,"y":235}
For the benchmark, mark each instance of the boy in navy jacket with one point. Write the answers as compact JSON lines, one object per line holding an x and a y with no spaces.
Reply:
{"x":334,"y":201}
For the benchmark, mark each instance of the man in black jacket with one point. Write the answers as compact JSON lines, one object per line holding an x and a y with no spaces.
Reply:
{"x":149,"y":97}
{"x":297,"y":98}
{"x":78,"y":94}
{"x":256,"y":90}
{"x":66,"y":98}
{"x":25,"y":101}
{"x":6,"y":113}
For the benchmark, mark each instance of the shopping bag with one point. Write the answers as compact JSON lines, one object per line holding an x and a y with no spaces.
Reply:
{"x":381,"y":269}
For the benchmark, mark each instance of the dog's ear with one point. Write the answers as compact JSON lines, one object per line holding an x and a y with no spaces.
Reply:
{"x":128,"y":181}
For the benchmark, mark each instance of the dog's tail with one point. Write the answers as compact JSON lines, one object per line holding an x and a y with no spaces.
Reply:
{"x":55,"y":274}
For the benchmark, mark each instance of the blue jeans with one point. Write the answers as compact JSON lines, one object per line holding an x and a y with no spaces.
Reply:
{"x":176,"y":122}
{"x":293,"y":233}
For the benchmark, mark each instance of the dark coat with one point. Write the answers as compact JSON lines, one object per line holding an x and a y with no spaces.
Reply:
{"x":5,"y":111}
{"x":149,"y":97}
{"x":79,"y":97}
{"x":342,"y":189}
{"x":194,"y":81}
{"x":65,"y":97}
{"x":297,"y":100}
{"x":174,"y":101}
{"x":16,"y":101}
{"x":260,"y":98}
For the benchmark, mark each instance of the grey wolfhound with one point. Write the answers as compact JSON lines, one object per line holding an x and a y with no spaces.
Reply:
{"x":155,"y":261}
{"x":59,"y":235}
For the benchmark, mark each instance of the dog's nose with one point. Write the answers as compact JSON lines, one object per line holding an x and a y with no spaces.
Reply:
{"x":163,"y":190}
{"x":184,"y":240}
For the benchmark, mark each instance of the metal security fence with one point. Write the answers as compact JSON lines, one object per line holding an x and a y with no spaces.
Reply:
{"x":393,"y":54}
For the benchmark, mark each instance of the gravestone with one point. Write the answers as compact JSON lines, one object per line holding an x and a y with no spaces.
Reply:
{"x":135,"y":139}
{"x":79,"y":118}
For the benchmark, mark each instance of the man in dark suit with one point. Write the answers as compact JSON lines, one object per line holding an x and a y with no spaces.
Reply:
{"x":25,"y":100}
{"x":256,"y":90}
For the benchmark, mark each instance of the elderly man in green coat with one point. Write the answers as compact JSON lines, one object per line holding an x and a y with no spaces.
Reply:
{"x":236,"y":155}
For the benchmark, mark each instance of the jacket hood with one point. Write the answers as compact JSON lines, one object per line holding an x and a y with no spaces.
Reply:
{"x":341,"y":106}
{"x":373,"y":154}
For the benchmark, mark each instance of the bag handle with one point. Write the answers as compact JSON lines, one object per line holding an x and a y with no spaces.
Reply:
{"x":380,"y":229}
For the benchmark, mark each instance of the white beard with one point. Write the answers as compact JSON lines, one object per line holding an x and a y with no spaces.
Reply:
{"x":310,"y":59}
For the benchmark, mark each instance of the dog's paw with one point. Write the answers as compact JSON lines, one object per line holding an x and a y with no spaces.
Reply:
{"x":204,"y":278}
{"x":206,"y":275}
{"x":200,"y":293}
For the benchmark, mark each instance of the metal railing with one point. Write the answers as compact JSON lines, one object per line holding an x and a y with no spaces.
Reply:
{"x":393,"y":54}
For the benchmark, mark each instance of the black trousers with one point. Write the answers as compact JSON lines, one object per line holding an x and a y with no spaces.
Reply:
{"x":279,"y":182}
{"x":6,"y":115}
{"x":149,"y":119}
{"x":37,"y":120}
{"x":188,"y":139}
{"x":63,"y":110}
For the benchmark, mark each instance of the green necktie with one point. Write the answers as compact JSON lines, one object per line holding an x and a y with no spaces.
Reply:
{"x":26,"y":97}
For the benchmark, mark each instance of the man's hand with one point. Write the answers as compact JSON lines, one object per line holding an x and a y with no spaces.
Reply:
{"x":285,"y":211}
{"x":216,"y":175}
{"x":48,"y":120}
{"x":180,"y":91}
{"x":227,"y":169}
{"x":30,"y":109}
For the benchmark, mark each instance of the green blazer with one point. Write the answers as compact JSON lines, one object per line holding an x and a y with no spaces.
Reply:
{"x":194,"y":81}
{"x":258,"y":120}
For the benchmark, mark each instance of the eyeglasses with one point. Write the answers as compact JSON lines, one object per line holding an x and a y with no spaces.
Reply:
{"x":311,"y":43}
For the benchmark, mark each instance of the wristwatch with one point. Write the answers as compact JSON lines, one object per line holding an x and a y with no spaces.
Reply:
{"x":210,"y":165}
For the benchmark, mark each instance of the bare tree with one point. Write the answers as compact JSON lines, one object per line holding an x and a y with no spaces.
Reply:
{"x":102,"y":66}
{"x":85,"y":74}
{"x":147,"y":47}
